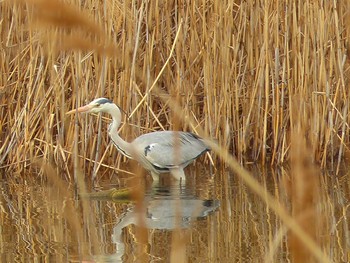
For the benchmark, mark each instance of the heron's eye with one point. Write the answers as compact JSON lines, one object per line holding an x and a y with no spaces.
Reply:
{"x":97,"y":105}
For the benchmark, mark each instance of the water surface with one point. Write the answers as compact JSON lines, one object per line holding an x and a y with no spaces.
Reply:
{"x":214,"y":217}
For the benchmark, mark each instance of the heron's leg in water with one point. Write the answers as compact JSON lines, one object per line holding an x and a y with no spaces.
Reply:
{"x":178,"y":174}
{"x":155,"y":177}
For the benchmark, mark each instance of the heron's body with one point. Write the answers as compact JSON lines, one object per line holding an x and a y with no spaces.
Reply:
{"x":158,"y":152}
{"x":165,"y":151}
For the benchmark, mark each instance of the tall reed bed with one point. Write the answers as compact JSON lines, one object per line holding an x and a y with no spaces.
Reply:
{"x":239,"y":69}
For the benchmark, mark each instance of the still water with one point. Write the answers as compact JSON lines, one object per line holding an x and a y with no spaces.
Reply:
{"x":213,"y":217}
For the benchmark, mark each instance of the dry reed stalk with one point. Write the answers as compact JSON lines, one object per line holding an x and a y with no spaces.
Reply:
{"x":304,"y":186}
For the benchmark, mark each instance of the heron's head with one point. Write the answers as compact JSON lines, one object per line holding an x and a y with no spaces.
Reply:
{"x":96,"y":106}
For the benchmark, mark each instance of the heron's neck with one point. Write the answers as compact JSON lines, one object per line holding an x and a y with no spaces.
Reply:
{"x":123,"y":146}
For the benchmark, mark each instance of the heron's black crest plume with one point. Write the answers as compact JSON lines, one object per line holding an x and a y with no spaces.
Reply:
{"x":103,"y":101}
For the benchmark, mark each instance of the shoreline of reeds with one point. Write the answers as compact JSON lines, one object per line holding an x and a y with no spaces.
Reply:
{"x":239,"y":70}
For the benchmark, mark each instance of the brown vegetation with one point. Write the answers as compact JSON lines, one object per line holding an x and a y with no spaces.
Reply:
{"x":239,"y":69}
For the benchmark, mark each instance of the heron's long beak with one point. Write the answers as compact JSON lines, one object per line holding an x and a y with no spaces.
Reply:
{"x":85,"y":108}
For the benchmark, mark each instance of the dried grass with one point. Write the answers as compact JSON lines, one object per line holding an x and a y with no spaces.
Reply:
{"x":235,"y":68}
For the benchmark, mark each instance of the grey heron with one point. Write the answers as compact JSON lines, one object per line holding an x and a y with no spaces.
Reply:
{"x":158,"y":152}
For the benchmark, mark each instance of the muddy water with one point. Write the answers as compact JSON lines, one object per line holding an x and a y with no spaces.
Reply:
{"x":214,"y":217}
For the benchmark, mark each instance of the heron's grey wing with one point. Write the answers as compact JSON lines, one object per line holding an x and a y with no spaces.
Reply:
{"x":167,"y":150}
{"x":161,"y":155}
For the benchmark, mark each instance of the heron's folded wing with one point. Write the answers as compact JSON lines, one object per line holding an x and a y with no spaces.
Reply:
{"x":172,"y":155}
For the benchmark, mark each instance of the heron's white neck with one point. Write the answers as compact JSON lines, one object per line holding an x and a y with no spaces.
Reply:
{"x":123,"y":146}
